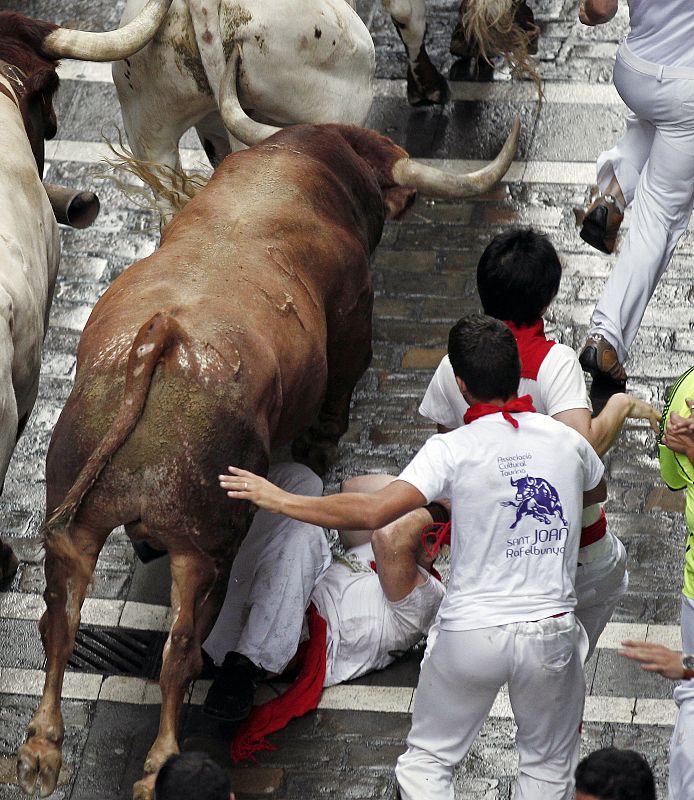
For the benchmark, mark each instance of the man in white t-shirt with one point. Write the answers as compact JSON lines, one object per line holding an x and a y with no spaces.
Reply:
{"x":507,"y":616}
{"x":518,"y":276}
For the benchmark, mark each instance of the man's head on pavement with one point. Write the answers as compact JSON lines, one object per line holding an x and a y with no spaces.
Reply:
{"x":484,"y":356}
{"x":518,"y":275}
{"x":192,"y":775}
{"x":612,"y":774}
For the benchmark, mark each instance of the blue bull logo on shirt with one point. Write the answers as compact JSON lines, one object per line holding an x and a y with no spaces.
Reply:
{"x":537,"y":498}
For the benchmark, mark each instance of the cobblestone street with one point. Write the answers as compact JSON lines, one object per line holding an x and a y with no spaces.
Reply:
{"x":424,"y":275}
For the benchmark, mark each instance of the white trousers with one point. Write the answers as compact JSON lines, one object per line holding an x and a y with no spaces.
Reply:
{"x":543,"y":665}
{"x":654,"y":164}
{"x":681,"y":782}
{"x":600,"y":585}
{"x":273,"y":575}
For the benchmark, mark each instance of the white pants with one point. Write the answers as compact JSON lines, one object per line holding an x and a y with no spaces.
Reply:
{"x":543,"y":665}
{"x":601,"y":582}
{"x":273,"y":575}
{"x":681,"y":783}
{"x":654,"y":164}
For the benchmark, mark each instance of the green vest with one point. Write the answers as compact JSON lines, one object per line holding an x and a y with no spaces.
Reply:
{"x":678,"y":471}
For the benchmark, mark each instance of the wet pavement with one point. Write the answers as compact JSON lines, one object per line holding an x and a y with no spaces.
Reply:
{"x":424,"y":279}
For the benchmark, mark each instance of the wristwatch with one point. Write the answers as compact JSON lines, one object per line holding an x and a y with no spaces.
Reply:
{"x":688,"y":667}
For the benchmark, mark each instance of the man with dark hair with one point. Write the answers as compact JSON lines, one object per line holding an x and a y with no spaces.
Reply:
{"x":612,"y":774}
{"x":192,"y":776}
{"x":507,"y":616}
{"x":518,"y":277}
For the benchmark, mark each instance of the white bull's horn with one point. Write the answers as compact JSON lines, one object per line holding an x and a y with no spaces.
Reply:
{"x":437,"y":182}
{"x":71,"y":207}
{"x":112,"y":45}
{"x":235,"y":119}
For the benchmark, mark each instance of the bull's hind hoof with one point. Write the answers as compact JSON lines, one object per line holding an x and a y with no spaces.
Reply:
{"x":38,"y":766}
{"x":144,"y":789}
{"x":430,"y":89}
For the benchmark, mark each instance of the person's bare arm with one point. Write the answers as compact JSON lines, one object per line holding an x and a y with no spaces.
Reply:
{"x":654,"y":658}
{"x":596,"y":495}
{"x":355,"y":510}
{"x":398,"y":550}
{"x":597,"y":12}
{"x":602,"y":431}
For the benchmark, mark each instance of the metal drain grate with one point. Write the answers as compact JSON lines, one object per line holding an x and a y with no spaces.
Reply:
{"x":118,"y":651}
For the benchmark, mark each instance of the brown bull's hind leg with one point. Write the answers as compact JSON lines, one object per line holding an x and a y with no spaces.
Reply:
{"x":71,"y":554}
{"x":197,"y":592}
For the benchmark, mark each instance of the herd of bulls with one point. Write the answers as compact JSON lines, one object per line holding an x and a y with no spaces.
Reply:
{"x":248,"y":327}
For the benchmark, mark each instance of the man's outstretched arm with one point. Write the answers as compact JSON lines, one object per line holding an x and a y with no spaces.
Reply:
{"x":350,"y":510}
{"x":602,"y":431}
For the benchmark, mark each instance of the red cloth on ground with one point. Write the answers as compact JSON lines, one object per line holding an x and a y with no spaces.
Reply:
{"x":301,"y":697}
{"x":478,"y":410}
{"x":533,"y":346}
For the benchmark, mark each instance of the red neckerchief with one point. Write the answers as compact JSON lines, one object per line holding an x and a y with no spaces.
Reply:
{"x":533,"y":346}
{"x":478,"y":410}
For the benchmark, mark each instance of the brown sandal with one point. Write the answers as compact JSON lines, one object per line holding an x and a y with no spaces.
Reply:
{"x":600,"y":223}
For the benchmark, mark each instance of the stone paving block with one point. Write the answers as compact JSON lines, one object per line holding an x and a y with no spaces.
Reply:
{"x":617,"y":676}
{"x":334,"y":783}
{"x":367,"y":723}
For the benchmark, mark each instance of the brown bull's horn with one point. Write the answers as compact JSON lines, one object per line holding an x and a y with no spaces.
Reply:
{"x":77,"y":209}
{"x":235,"y":119}
{"x":437,"y":182}
{"x":112,"y":45}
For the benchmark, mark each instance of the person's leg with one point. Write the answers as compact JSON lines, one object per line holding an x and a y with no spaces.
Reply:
{"x":620,"y":167}
{"x":600,"y":585}
{"x":260,"y":624}
{"x":681,"y":780}
{"x":547,"y":692}
{"x":661,"y":209}
{"x":457,"y":686}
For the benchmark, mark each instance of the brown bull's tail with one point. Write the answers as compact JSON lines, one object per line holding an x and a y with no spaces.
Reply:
{"x":154,"y":338}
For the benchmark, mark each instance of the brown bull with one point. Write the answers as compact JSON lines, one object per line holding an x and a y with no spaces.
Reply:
{"x":248,"y":327}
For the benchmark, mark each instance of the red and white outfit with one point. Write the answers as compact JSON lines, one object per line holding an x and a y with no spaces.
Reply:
{"x":508,"y":612}
{"x":552,"y":376}
{"x":366,"y":631}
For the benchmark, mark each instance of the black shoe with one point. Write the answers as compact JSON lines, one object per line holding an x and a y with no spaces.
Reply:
{"x":230,"y":698}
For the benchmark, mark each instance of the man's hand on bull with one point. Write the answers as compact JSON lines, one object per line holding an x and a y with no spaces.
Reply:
{"x":243,"y":485}
{"x":347,"y":511}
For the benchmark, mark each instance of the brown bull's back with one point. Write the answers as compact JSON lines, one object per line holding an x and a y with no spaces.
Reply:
{"x":258,"y":272}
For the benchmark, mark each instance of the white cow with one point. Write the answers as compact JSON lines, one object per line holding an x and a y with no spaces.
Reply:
{"x":311,"y":61}
{"x":29,"y":241}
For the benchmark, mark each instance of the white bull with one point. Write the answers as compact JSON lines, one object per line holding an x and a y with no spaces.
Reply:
{"x":307,"y":62}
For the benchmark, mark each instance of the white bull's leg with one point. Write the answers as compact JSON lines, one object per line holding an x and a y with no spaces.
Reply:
{"x":154,"y":124}
{"x":8,"y":419}
{"x":425,"y":84}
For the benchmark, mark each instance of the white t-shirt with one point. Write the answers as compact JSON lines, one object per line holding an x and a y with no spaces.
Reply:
{"x":662,"y":31}
{"x":516,"y":500}
{"x":560,"y":386}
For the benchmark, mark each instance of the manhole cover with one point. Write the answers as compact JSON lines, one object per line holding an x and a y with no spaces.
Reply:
{"x":118,"y":651}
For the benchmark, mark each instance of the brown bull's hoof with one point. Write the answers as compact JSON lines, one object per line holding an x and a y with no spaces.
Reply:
{"x":318,"y":454}
{"x":38,"y":766}
{"x":9,"y":563}
{"x":144,"y":789}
